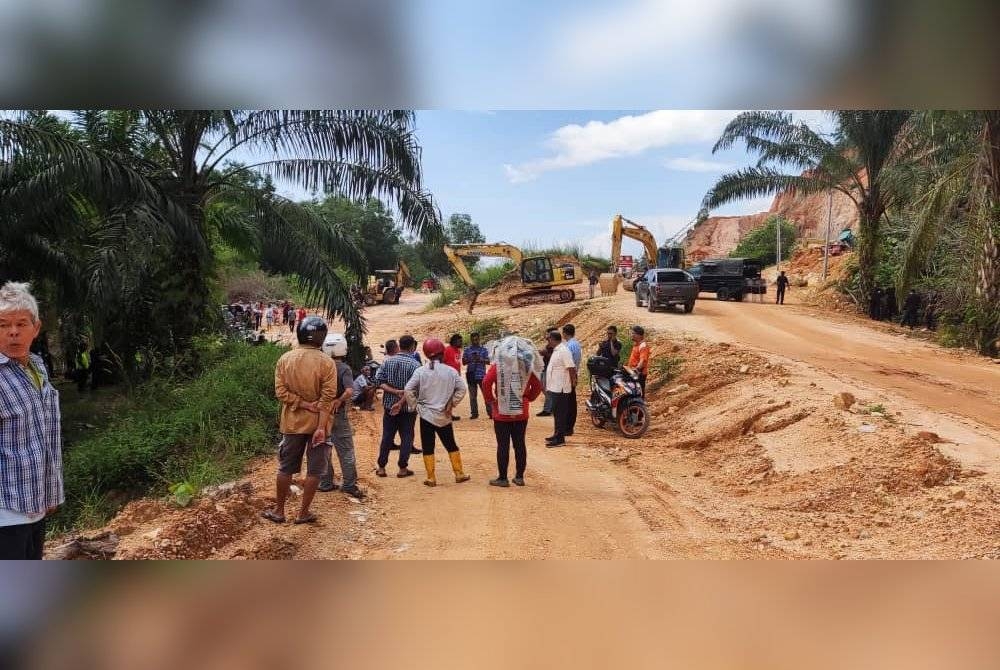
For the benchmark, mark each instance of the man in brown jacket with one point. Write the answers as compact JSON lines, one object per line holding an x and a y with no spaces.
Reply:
{"x":305,"y":381}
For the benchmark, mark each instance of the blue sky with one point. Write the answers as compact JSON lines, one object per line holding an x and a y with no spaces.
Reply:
{"x":561,"y":176}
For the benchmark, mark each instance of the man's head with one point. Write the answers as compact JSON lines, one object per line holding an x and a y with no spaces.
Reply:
{"x":19,"y":322}
{"x":311,"y":331}
{"x":782,"y":273}
{"x":408,"y":343}
{"x":569,"y":331}
{"x":638,"y":333}
{"x":612,"y":332}
{"x":455,"y":340}
{"x":434,"y":349}
{"x":553,"y":337}
{"x":474,"y":338}
{"x":391,"y":347}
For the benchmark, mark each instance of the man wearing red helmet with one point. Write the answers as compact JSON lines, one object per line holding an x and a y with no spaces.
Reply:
{"x":433,"y":391}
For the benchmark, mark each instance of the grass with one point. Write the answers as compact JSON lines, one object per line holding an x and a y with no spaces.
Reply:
{"x":665,"y":370}
{"x":490,"y":328}
{"x":446,"y":296}
{"x":200,"y":432}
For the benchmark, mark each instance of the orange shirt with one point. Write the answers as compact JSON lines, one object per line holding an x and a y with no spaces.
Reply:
{"x":638,"y":360}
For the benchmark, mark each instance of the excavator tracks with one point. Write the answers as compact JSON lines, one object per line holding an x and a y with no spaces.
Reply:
{"x":548,"y":297}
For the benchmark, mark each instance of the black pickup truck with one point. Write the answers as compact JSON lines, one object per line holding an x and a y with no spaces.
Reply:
{"x":666,"y":287}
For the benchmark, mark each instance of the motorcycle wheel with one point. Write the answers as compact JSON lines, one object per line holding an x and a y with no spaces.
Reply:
{"x":596,"y":420}
{"x":633,"y":421}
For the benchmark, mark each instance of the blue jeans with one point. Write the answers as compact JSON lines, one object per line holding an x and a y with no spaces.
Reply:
{"x":403,"y":423}
{"x":342,"y":438}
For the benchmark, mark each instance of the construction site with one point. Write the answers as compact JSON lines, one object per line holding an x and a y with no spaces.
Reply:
{"x":794,"y":431}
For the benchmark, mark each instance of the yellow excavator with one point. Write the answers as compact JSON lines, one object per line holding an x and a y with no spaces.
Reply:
{"x":538,"y":274}
{"x":661,"y":257}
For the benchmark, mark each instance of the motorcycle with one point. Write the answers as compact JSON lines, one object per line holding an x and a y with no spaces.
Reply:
{"x":616,"y":397}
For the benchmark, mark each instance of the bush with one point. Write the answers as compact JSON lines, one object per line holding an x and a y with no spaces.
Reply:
{"x":762,"y":242}
{"x":198,"y":432}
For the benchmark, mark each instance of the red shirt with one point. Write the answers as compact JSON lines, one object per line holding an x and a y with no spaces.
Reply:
{"x":453,"y":357}
{"x":531,"y":391}
{"x":300,"y":314}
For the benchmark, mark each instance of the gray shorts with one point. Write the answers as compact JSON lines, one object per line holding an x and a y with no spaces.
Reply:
{"x":294,"y":447}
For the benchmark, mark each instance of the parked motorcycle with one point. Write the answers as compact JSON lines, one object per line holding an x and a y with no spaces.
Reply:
{"x":616,"y":397}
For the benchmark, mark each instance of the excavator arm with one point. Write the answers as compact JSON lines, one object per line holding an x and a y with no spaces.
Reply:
{"x":622,"y":227}
{"x":456,"y":252}
{"x":404,"y":274}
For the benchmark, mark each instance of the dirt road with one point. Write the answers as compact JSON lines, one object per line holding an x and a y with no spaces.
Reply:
{"x":750,"y":461}
{"x":925,"y":373}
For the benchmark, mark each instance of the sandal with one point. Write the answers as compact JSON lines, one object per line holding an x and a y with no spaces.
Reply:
{"x":310,"y":518}
{"x":380,"y":472}
{"x":405,"y":472}
{"x":271,"y":516}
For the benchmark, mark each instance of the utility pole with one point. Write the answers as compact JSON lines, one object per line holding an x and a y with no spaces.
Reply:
{"x":777,"y":226}
{"x":826,"y":247}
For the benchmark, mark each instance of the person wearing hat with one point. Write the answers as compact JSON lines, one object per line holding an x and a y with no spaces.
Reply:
{"x":340,"y":435}
{"x":433,"y":391}
{"x":305,"y":381}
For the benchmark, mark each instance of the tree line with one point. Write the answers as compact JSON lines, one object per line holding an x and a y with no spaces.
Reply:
{"x":926,"y":185}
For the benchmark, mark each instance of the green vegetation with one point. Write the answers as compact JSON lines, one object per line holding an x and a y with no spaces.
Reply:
{"x":762,"y":242}
{"x":665,"y":370}
{"x":928,"y":210}
{"x":176,"y":437}
{"x":490,"y":328}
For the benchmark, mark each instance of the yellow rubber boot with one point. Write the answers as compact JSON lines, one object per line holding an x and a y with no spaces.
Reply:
{"x":456,"y":465}
{"x":429,"y":466}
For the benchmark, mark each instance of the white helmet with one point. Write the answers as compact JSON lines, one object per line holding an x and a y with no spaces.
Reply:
{"x":335,"y":345}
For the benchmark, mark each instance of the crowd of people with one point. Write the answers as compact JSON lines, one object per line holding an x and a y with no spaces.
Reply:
{"x":421,"y":399}
{"x":883,"y":306}
{"x":260,"y":316}
{"x":316,"y":388}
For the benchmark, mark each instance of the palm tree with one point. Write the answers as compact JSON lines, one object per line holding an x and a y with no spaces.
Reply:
{"x":960,"y":184}
{"x":177,"y":173}
{"x":854,"y":160}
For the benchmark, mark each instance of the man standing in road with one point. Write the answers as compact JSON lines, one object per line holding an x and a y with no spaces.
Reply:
{"x":611,"y":348}
{"x":305,"y":381}
{"x":392,"y":377}
{"x":341,"y":435}
{"x":910,"y":307}
{"x":638,"y":360}
{"x":569,"y":336}
{"x":31,"y":485}
{"x":476,"y":358}
{"x":592,"y":281}
{"x":560,"y":382}
{"x":782,"y":283}
{"x":546,"y":352}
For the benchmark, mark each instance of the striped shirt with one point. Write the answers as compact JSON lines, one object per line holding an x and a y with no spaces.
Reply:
{"x":395,"y":372}
{"x":30,"y":440}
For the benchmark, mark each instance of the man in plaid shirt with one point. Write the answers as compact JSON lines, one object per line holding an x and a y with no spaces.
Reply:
{"x":31,"y":485}
{"x":392,"y":378}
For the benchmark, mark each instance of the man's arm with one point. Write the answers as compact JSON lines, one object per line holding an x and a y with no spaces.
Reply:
{"x":328,"y":392}
{"x":281,"y":390}
{"x":461,"y":388}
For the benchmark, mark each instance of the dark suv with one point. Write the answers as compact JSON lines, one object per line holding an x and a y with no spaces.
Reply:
{"x":729,"y":278}
{"x":666,"y":287}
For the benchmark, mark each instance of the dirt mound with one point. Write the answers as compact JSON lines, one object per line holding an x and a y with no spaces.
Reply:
{"x":195,"y":532}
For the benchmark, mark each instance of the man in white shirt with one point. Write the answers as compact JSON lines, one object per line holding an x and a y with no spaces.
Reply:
{"x":560,"y":381}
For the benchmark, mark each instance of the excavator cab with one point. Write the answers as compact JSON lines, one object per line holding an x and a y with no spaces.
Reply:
{"x":539,"y":270}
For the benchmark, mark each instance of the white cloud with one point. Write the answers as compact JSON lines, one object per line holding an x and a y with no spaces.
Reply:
{"x":575,"y":145}
{"x":693,"y":164}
